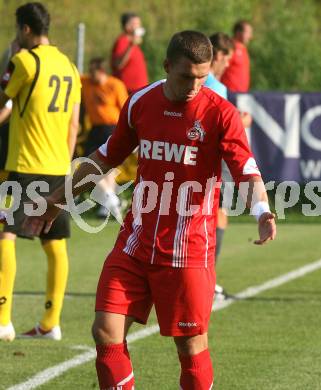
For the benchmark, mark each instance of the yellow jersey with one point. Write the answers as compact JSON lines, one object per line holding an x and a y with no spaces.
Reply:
{"x":44,"y":86}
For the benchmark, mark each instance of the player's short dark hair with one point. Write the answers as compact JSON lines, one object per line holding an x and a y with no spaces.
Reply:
{"x":125,"y":18}
{"x":34,"y":15}
{"x":193,"y":45}
{"x":98,"y":63}
{"x":240,"y":25}
{"x":221,"y":42}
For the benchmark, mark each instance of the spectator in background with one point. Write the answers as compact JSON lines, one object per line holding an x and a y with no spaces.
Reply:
{"x":237,"y":75}
{"x":103,"y":96}
{"x":223,"y":49}
{"x":128,"y":61}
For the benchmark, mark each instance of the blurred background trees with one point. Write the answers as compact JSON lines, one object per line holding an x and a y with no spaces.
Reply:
{"x":285,"y":54}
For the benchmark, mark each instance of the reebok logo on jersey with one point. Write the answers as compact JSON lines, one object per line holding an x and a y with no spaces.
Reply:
{"x":164,"y":151}
{"x":173,"y":113}
{"x":196,"y":132}
{"x":187,"y":324}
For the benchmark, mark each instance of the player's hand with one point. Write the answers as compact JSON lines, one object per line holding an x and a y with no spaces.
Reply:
{"x":34,"y":225}
{"x":267,"y":228}
{"x":136,"y":40}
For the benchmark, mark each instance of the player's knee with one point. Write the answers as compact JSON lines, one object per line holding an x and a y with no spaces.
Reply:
{"x":102,"y":334}
{"x":191,"y":345}
{"x":108,"y":329}
{"x":96,"y":333}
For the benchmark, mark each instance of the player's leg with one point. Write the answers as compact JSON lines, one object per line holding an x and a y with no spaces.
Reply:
{"x":196,"y":365}
{"x":55,"y":247}
{"x":8,"y":256}
{"x":7,"y":278}
{"x":183,"y":306}
{"x":57,"y":275}
{"x":222,"y":220}
{"x":220,"y":230}
{"x":113,"y":364}
{"x":7,"y":251}
{"x":123,"y":296}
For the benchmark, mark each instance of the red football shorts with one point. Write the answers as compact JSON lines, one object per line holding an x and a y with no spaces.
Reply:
{"x":182,"y":297}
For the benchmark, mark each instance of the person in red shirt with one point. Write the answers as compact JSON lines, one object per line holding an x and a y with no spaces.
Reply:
{"x":237,"y":76}
{"x":164,"y":253}
{"x":128,"y":61}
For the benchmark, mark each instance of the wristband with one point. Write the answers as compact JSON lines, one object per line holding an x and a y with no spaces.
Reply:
{"x":9,"y":104}
{"x":259,"y":208}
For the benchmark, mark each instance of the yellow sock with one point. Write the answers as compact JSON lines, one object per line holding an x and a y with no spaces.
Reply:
{"x":7,"y":277}
{"x":56,"y":251}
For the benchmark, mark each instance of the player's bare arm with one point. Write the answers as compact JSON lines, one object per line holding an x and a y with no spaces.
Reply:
{"x":4,"y":114}
{"x":37,"y":224}
{"x":3,"y":99}
{"x":120,"y":61}
{"x":257,"y":200}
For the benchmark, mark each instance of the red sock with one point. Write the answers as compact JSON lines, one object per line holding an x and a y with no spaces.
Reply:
{"x":114,"y":369}
{"x":196,"y":371}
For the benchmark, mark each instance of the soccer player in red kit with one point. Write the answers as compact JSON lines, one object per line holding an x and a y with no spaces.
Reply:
{"x":164,"y":253}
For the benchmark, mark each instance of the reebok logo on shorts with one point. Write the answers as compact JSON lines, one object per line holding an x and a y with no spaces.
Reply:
{"x":187,"y":324}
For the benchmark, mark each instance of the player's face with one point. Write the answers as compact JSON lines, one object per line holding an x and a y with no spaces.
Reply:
{"x":95,"y":74}
{"x":222,"y":61}
{"x":247,"y":34}
{"x":133,"y":24}
{"x":185,"y":79}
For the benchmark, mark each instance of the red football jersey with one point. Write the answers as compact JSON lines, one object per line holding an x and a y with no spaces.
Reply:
{"x":134,"y":73}
{"x":237,"y":76}
{"x":181,"y":144}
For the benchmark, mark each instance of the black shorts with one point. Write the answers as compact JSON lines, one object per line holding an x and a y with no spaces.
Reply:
{"x":61,"y":226}
{"x":97,"y":136}
{"x":4,"y":140}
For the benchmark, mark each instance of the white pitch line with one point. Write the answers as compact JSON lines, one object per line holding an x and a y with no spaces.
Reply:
{"x":54,"y":371}
{"x":57,"y":370}
{"x":255,"y":290}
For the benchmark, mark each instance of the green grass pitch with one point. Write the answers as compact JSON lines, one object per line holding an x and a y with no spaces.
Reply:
{"x":269,"y":342}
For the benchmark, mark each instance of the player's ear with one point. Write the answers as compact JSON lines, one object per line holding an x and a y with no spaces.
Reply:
{"x":26,"y":29}
{"x":218,"y":56}
{"x":166,"y":65}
